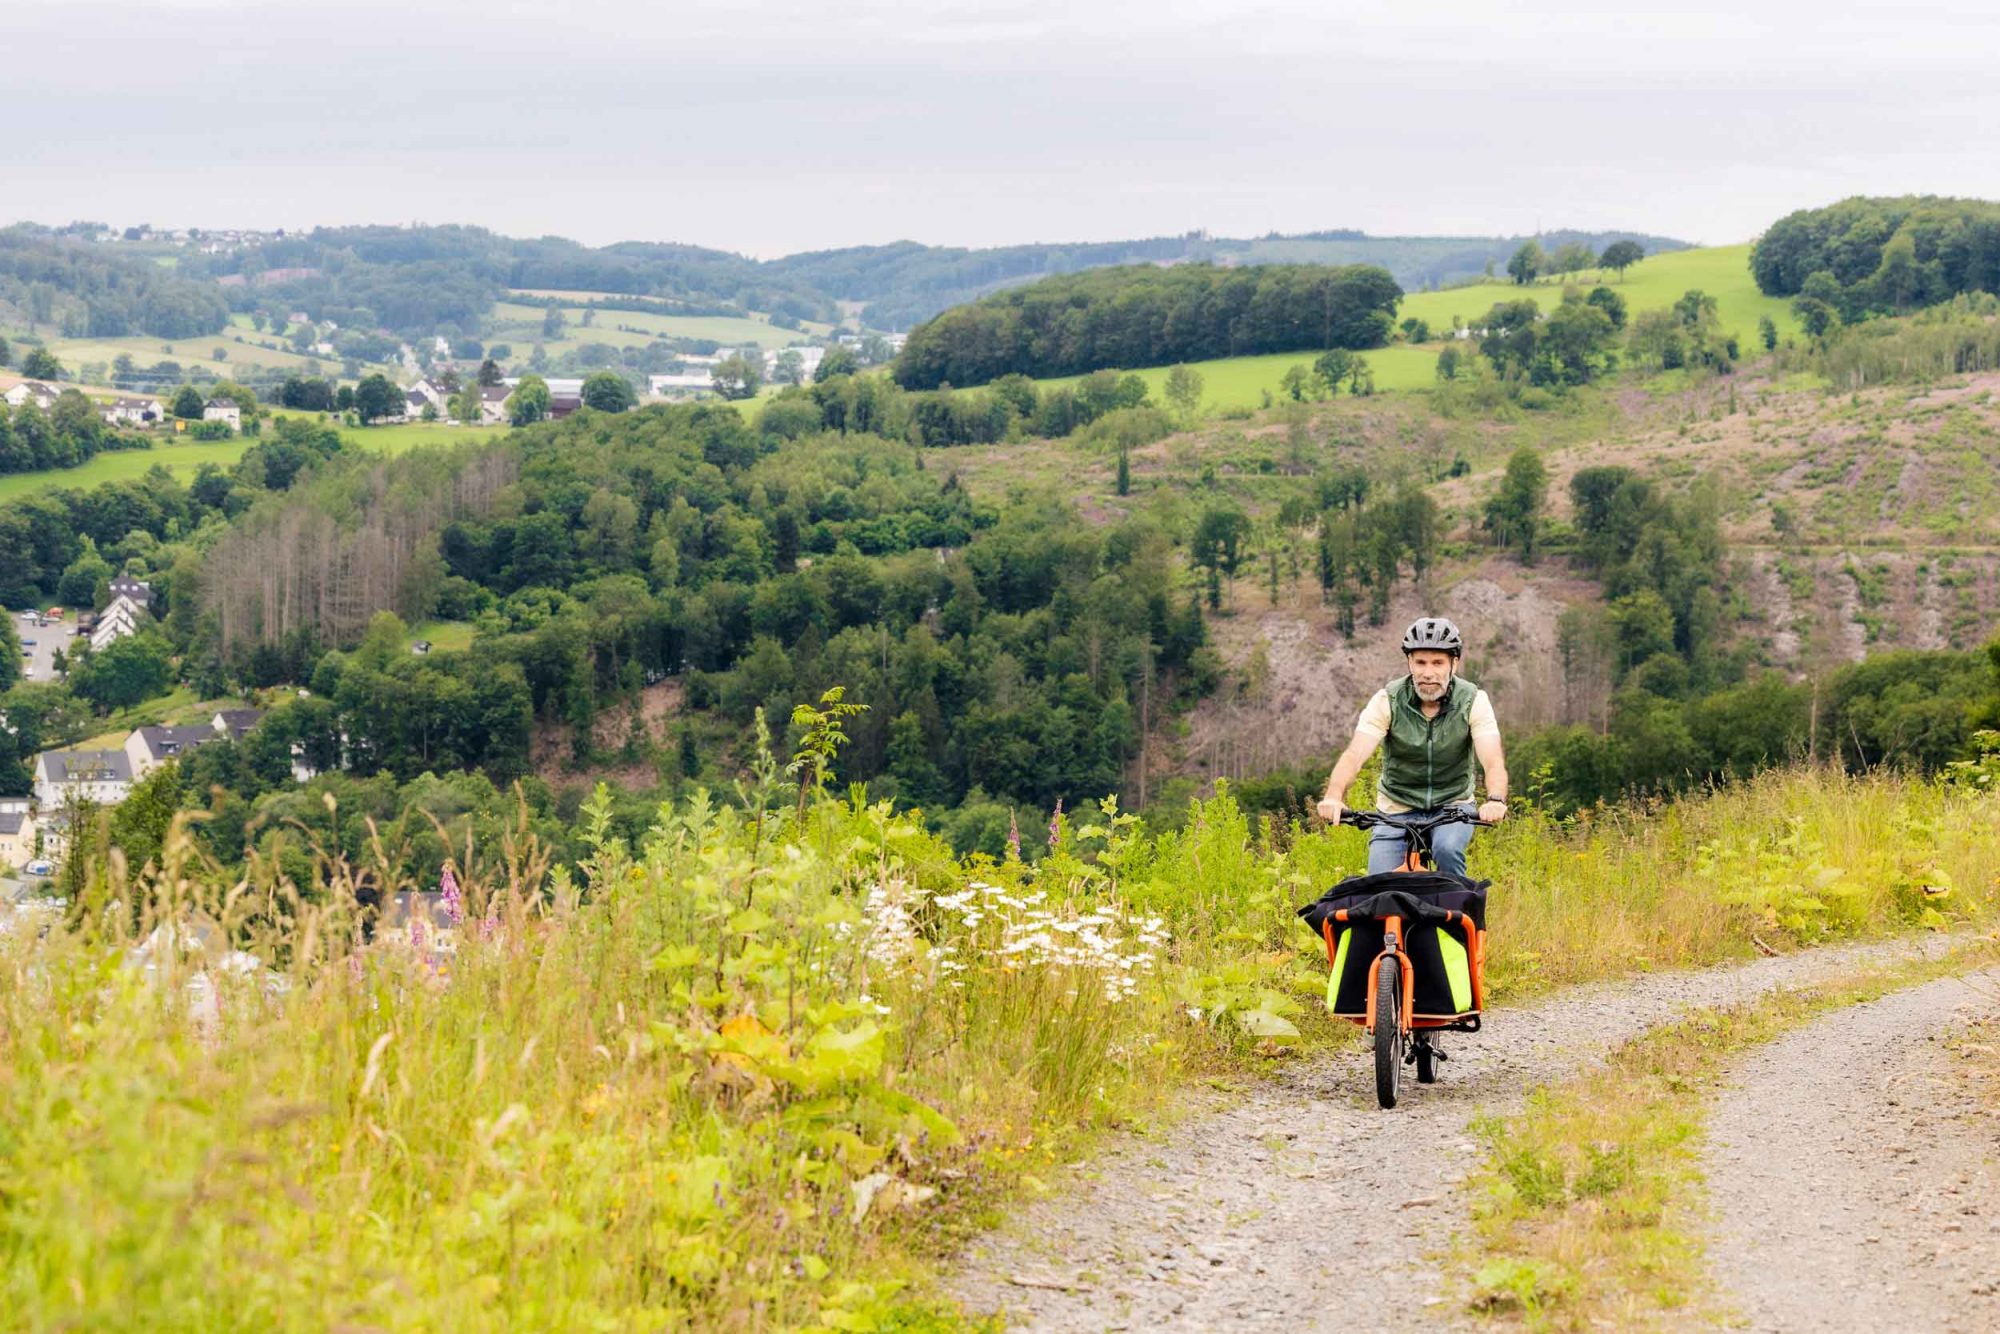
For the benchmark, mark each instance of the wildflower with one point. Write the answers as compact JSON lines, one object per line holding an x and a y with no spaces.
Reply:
{"x":1013,"y":838}
{"x":450,"y":897}
{"x":1055,"y":826}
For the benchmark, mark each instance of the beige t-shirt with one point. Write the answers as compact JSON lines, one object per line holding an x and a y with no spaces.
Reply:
{"x":1373,"y":725}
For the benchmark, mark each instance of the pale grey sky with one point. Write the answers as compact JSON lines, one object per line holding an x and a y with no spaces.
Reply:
{"x":785,"y":125}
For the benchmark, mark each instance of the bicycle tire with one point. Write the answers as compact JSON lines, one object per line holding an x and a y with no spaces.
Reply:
{"x":1388,"y":1031}
{"x":1427,"y":1063}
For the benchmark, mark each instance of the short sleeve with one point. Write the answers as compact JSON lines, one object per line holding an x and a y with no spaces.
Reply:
{"x":1485,"y":727}
{"x":1373,"y":724}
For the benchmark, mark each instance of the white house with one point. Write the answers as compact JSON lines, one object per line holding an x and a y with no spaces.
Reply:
{"x":493,"y":404}
{"x":135,"y":591}
{"x":235,"y":723}
{"x":123,"y":617}
{"x":102,"y":776}
{"x":809,"y":360}
{"x":427,"y":391}
{"x":41,"y":395}
{"x":150,"y":747}
{"x":17,"y":833}
{"x":134,"y":412}
{"x":223,"y":410}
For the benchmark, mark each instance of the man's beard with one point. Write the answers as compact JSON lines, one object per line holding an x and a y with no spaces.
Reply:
{"x":1430,"y":693}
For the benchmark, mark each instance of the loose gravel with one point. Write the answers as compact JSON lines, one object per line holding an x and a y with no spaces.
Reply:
{"x":1853,"y":1176}
{"x":1300,"y":1202}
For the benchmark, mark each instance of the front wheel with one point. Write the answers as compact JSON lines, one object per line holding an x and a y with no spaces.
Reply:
{"x":1388,"y":1030}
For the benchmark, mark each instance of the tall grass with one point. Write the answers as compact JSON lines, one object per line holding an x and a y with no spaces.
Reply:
{"x":754,"y":1071}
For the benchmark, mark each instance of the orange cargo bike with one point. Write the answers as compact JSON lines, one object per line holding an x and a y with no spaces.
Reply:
{"x":1407,"y":951}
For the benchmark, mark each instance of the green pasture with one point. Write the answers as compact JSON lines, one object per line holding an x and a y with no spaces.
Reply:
{"x":184,"y":457}
{"x":521,"y":326}
{"x":76,"y":353}
{"x":1242,"y":382}
{"x":1654,"y":283}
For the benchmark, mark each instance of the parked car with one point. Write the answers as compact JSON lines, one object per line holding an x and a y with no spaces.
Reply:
{"x":28,"y":644}
{"x":54,"y":613}
{"x":40,"y":868}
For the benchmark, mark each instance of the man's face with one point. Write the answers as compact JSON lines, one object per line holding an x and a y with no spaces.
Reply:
{"x":1431,"y":671}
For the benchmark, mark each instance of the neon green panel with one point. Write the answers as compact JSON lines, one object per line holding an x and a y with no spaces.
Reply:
{"x":1457,"y":970}
{"x":1339,"y":970}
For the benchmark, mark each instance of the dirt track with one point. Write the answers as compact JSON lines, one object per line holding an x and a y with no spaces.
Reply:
{"x":1302,"y":1204}
{"x":1853,"y":1174}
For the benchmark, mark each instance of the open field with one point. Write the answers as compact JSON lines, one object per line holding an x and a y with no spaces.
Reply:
{"x":1242,"y":382}
{"x":184,"y":457}
{"x":521,"y":326}
{"x":76,"y":353}
{"x":1653,"y":284}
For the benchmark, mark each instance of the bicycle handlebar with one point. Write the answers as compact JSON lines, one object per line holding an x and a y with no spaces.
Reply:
{"x":1414,"y":821}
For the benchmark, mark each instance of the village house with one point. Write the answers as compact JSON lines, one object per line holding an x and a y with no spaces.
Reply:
{"x":135,"y":591}
{"x":223,"y":410}
{"x":493,"y":404}
{"x":809,"y":360}
{"x":40,"y":394}
{"x":124,"y":411}
{"x":121,"y":618}
{"x":427,"y":391}
{"x":17,"y":833}
{"x":100,"y":776}
{"x":235,"y":723}
{"x":150,"y":747}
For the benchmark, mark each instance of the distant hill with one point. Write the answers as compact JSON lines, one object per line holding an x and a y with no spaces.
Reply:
{"x":419,"y":281}
{"x":906,"y":283}
{"x":58,"y":284}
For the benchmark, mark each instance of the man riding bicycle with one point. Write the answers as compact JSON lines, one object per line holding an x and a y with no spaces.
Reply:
{"x":1431,"y":725}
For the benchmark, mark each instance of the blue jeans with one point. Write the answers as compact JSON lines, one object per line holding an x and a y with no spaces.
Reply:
{"x":1388,"y":847}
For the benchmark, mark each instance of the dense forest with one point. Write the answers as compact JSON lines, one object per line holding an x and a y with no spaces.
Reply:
{"x":1146,"y":316}
{"x":82,"y":291}
{"x":1869,"y":256}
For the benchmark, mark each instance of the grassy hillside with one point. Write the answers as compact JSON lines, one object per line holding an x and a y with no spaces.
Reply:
{"x":184,"y":457}
{"x":520,"y":326}
{"x":1654,"y":284}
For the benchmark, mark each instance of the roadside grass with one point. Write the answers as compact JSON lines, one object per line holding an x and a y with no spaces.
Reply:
{"x":1586,"y":1213}
{"x":750,"y":1070}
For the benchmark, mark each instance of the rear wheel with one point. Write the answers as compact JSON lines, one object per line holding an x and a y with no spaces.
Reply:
{"x":1427,"y":1061}
{"x":1388,"y":1030}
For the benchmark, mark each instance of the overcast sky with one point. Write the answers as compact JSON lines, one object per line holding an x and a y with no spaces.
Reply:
{"x":778,"y":126}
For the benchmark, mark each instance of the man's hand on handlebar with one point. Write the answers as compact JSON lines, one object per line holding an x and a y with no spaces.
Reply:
{"x":1330,"y":809}
{"x":1492,"y":812}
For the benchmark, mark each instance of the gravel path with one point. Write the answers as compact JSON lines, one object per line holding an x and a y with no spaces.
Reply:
{"x":1302,"y":1204}
{"x":1854,"y":1175}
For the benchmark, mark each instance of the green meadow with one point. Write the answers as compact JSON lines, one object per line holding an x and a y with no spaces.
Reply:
{"x":1654,"y":283}
{"x":1723,"y":272}
{"x":184,"y":457}
{"x":520,"y":326}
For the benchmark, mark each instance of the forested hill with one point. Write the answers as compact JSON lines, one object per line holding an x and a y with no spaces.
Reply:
{"x":906,"y":283}
{"x":85,"y":292}
{"x":420,"y":281}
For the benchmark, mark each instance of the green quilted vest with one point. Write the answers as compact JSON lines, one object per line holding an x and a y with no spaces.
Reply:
{"x":1427,"y":762}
